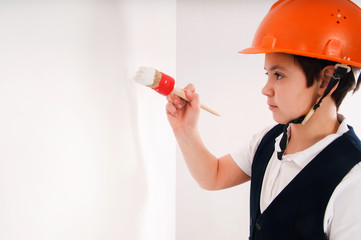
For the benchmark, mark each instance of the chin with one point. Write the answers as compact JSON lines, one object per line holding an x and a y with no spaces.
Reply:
{"x":281,"y":120}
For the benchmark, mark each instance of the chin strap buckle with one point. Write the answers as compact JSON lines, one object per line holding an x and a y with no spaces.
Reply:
{"x":342,"y":65}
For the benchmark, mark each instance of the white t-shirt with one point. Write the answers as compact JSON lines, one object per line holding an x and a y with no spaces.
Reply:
{"x":343,"y":213}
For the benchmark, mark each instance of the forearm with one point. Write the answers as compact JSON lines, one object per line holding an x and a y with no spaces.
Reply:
{"x":202,"y":165}
{"x":183,"y":117}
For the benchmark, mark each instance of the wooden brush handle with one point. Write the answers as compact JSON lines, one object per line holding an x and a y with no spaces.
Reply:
{"x":180,"y":93}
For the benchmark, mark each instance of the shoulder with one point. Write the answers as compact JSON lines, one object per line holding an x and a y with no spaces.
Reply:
{"x":258,"y":137}
{"x":244,"y":155}
{"x":269,"y":138}
{"x":344,"y":207}
{"x":355,"y":141}
{"x":268,"y":132}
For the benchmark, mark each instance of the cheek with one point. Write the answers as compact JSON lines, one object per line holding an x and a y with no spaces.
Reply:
{"x":287,"y":98}
{"x":303,"y":101}
{"x":309,"y":96}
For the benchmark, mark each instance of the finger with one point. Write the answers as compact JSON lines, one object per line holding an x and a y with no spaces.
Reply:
{"x":179,"y":102}
{"x":195,"y":102}
{"x":190,"y":87}
{"x":172,"y":98}
{"x":190,"y":94}
{"x":171,"y":109}
{"x":169,"y":98}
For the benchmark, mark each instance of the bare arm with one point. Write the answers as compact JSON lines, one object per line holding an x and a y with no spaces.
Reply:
{"x":210,"y":172}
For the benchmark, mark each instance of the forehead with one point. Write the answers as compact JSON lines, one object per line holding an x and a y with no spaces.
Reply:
{"x":280,"y":61}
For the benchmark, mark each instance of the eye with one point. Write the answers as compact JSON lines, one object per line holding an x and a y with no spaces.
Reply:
{"x":278,"y":75}
{"x":274,"y":75}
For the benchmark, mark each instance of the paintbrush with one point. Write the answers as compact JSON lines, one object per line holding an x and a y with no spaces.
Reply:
{"x":163,"y":84}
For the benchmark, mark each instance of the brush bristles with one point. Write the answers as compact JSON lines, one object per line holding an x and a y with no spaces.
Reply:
{"x":146,"y":76}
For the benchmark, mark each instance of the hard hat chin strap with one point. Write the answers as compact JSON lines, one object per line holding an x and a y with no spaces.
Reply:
{"x":340,"y":71}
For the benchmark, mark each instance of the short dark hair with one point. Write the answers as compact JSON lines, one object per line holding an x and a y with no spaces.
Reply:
{"x":312,"y":68}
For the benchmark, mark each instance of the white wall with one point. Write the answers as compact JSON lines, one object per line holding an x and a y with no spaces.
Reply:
{"x":209,"y":34}
{"x":77,"y":134}
{"x":152,"y":39}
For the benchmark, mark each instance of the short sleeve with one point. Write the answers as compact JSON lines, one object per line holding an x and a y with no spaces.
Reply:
{"x":345,"y":212}
{"x":243,"y":157}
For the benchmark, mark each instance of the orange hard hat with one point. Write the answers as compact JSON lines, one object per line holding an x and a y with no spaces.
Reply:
{"x":325,"y":29}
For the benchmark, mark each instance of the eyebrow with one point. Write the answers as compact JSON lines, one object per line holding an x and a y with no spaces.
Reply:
{"x":275,"y":67}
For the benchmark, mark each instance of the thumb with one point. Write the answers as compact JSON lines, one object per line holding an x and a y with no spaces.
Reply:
{"x":193,"y":98}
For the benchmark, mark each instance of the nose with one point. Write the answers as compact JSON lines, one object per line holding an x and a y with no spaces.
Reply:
{"x":267,"y":90}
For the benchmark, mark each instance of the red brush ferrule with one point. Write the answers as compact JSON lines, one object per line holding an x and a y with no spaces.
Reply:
{"x":166,"y":85}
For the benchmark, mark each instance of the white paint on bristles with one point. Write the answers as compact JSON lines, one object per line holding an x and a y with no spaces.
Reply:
{"x":145,"y":75}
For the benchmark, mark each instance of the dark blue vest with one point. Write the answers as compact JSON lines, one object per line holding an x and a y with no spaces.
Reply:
{"x":297,"y":213}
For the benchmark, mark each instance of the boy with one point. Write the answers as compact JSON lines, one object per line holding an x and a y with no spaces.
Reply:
{"x":305,"y":172}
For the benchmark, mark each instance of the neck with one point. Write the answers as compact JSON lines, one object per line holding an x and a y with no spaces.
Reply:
{"x":322,"y":123}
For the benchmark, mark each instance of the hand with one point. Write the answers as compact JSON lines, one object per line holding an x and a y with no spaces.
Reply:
{"x":182,"y":115}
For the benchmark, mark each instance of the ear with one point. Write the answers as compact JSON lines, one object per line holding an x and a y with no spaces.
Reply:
{"x":326,"y":75}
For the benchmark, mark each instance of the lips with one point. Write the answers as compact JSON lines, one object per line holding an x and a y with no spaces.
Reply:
{"x":271,"y":106}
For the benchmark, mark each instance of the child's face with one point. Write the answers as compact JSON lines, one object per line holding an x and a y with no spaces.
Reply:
{"x":287,"y":94}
